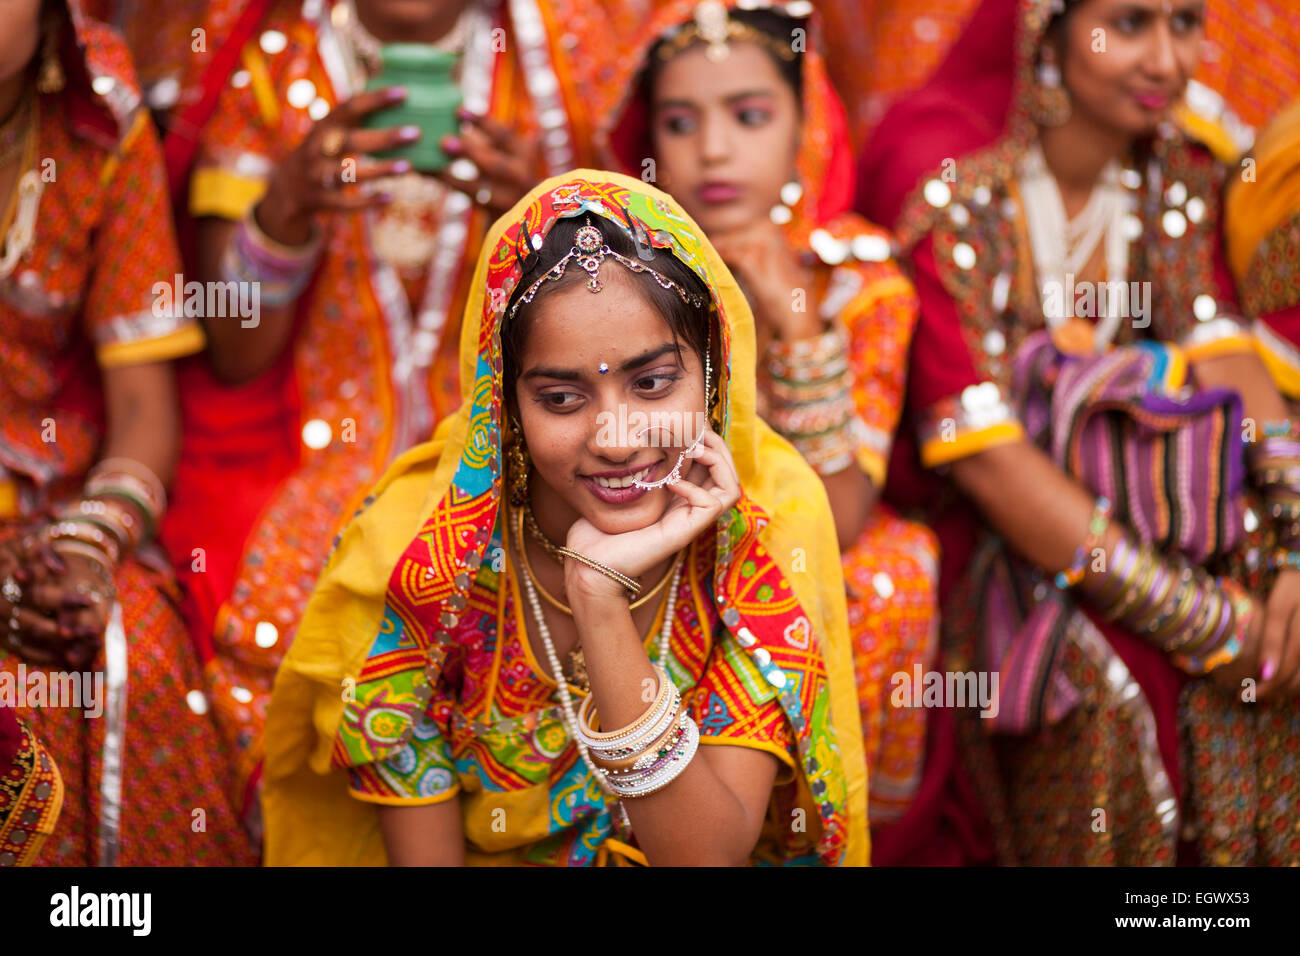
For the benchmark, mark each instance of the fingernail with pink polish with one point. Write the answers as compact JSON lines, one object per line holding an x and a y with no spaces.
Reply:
{"x":451,"y":142}
{"x":402,"y":166}
{"x":409,"y":132}
{"x":397,"y":93}
{"x":1267,"y":671}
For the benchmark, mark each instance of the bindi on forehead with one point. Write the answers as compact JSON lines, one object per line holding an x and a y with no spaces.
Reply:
{"x":574,"y":329}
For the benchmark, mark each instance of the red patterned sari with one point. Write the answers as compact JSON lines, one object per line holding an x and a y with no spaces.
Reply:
{"x":81,"y":301}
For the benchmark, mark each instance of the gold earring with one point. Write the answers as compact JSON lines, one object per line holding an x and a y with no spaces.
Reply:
{"x":1050,"y":103}
{"x":517,"y":465}
{"x":50,"y":78}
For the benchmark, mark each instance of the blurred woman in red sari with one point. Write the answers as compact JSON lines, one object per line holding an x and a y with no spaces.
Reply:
{"x":1082,"y":393}
{"x":735,"y":110}
{"x":88,"y":414}
{"x":354,"y":356}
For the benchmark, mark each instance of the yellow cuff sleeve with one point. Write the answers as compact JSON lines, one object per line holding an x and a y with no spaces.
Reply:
{"x":873,"y":464}
{"x":403,"y":801}
{"x":943,"y":449}
{"x":184,"y":341}
{"x":218,"y":192}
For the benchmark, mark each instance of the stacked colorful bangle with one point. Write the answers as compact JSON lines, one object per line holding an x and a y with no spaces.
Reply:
{"x":648,"y":754}
{"x":1197,"y":620}
{"x":111,"y":515}
{"x":280,"y":272}
{"x":1286,"y":560}
{"x":1241,"y":610}
{"x":1275,"y":468}
{"x":135,"y":484}
{"x":811,"y":400}
{"x":1097,"y":525}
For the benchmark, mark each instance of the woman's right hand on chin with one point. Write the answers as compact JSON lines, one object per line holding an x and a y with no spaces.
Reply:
{"x":708,"y":488}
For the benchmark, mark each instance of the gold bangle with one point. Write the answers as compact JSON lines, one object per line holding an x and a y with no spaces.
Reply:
{"x":1159,"y":603}
{"x":622,"y":764}
{"x":1144,"y":570}
{"x":88,"y":551}
{"x":1174,"y":622}
{"x":1219,"y":605}
{"x":666,"y":688}
{"x":1108,"y":587}
{"x":612,"y":574}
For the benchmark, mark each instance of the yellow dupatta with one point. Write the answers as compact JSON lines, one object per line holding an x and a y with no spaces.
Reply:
{"x":310,"y":817}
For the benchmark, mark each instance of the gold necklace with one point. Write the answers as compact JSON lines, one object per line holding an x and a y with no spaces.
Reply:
{"x":559,"y":605}
{"x":578,"y":660}
{"x":549,"y":546}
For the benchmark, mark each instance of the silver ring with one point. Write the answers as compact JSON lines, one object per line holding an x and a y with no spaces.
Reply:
{"x":11,"y":591}
{"x":13,"y":627}
{"x":483,"y":196}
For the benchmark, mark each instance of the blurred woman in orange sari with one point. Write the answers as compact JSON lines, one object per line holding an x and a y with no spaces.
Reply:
{"x":736,"y":113}
{"x":353,"y":356}
{"x":88,"y":415}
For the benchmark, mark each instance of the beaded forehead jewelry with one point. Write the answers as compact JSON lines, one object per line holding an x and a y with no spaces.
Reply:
{"x":589,"y":251}
{"x":713,"y":26}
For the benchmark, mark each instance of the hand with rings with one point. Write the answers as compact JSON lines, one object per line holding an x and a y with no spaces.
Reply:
{"x":312,"y":178}
{"x":505,"y":164}
{"x":52,"y":609}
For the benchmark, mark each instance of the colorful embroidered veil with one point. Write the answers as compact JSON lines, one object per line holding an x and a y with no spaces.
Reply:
{"x":411,"y":556}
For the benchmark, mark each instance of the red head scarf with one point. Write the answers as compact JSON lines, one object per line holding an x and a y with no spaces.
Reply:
{"x":825,"y":157}
{"x":965,"y":106}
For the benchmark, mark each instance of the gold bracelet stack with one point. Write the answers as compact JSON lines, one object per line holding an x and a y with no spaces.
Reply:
{"x":648,"y":754}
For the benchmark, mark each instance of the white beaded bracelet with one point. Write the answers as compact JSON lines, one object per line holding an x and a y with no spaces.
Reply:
{"x":663,"y":773}
{"x":643,"y":731}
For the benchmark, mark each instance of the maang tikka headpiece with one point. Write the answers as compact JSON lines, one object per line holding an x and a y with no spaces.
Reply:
{"x":590,"y":250}
{"x":712,"y":25}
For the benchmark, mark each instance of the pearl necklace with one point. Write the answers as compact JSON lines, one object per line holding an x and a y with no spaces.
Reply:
{"x":1062,"y":247}
{"x":566,"y":701}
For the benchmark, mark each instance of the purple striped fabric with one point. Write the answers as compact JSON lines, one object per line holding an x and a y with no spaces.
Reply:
{"x":1172,"y":465}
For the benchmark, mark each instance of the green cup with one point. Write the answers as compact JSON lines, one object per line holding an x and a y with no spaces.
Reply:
{"x":432,"y":98}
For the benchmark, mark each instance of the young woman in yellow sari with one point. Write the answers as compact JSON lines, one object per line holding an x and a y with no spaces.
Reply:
{"x":418,"y":718}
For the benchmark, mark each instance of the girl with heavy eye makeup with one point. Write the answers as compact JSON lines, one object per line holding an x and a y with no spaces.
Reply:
{"x":736,"y":111}
{"x":596,"y":621}
{"x":1108,"y":465}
